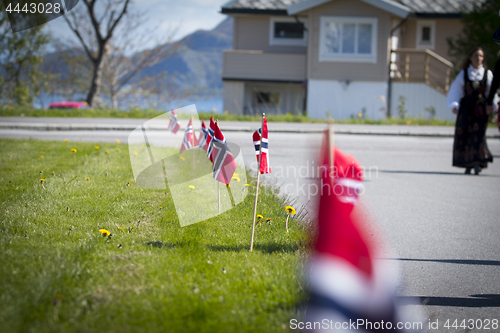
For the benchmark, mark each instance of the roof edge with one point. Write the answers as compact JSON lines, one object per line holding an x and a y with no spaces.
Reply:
{"x":304,"y":5}
{"x":387,"y":5}
{"x":229,"y":11}
{"x":390,"y":6}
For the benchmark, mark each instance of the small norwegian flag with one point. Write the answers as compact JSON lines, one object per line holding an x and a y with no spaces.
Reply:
{"x":202,"y":139}
{"x":346,"y":282}
{"x":173,"y":125}
{"x":187,"y":142}
{"x":210,"y":137}
{"x":222,"y":158}
{"x":264,"y":161}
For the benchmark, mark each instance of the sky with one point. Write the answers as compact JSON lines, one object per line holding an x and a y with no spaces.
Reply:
{"x":186,"y":16}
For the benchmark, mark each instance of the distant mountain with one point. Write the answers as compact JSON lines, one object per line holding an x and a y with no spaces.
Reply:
{"x":197,"y":64}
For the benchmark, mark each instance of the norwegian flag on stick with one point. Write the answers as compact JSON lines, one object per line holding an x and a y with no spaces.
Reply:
{"x":188,"y":141}
{"x":261,"y":137}
{"x":173,"y":125}
{"x":224,"y":164}
{"x":202,"y":139}
{"x":209,"y":144}
{"x":263,"y":166}
{"x":346,"y":283}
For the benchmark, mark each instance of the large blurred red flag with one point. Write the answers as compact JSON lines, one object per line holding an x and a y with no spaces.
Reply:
{"x":346,"y":283}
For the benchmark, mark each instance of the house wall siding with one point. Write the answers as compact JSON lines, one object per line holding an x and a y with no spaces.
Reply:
{"x":420,"y":96}
{"x":252,"y":33}
{"x":445,"y":28}
{"x":343,"y":100}
{"x":352,"y":71}
{"x":233,"y":96}
{"x":263,"y":66}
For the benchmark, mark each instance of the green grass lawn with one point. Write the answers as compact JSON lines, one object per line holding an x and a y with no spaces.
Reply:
{"x":58,"y":273}
{"x":9,"y":111}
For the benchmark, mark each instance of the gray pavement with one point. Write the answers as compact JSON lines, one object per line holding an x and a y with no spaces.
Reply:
{"x":127,"y":124}
{"x":443,"y":226}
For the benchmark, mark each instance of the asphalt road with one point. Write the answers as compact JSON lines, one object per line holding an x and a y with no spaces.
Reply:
{"x":443,"y":226}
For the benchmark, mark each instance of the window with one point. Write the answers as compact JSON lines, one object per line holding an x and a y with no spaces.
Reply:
{"x":426,"y":31}
{"x":287,"y":31}
{"x":345,"y":38}
{"x":267,"y":98}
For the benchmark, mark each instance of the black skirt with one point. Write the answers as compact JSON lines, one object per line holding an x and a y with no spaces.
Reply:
{"x":470,"y":147}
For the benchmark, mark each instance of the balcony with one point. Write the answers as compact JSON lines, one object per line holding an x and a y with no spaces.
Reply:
{"x":422,"y":66}
{"x":257,"y":65}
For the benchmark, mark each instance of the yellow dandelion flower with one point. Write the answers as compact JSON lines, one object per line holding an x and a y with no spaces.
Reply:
{"x":53,"y":173}
{"x":107,"y":151}
{"x":65,"y":140}
{"x":41,"y":156}
{"x":121,"y":228}
{"x":408,"y":122}
{"x":135,"y":153}
{"x":136,"y":109}
{"x":360,"y":115}
{"x":96,"y":147}
{"x":290,"y":210}
{"x":117,"y":141}
{"x":117,"y":148}
{"x":260,"y":216}
{"x":236,"y":174}
{"x":268,"y":219}
{"x":73,"y":150}
{"x":104,"y":232}
{"x":88,"y":178}
{"x":192,"y":187}
{"x":236,"y":178}
{"x":182,"y":158}
{"x":42,"y":180}
{"x":247,"y":184}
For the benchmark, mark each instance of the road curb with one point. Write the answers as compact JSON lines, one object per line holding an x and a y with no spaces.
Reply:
{"x":113,"y":127}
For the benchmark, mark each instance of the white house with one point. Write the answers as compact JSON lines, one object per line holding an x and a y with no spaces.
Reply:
{"x":342,"y":57}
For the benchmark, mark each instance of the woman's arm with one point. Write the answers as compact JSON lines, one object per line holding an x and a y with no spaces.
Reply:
{"x":494,"y":84}
{"x":455,"y":92}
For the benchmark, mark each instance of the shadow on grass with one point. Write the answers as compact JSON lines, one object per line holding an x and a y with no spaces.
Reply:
{"x":473,"y":301}
{"x":165,"y":245}
{"x":264,"y":248}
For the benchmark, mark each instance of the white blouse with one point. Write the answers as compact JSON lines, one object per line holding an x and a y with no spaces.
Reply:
{"x":457,"y":87}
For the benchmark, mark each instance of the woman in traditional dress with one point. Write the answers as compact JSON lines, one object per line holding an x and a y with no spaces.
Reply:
{"x":466,"y":98}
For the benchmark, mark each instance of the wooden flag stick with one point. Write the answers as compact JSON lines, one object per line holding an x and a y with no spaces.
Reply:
{"x":258,"y":181}
{"x":192,"y":141}
{"x":218,"y":182}
{"x":329,"y":147}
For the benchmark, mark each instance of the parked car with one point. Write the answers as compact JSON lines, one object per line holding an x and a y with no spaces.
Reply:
{"x":69,"y":105}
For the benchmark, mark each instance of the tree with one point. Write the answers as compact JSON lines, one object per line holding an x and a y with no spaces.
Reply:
{"x":94,"y":32}
{"x":109,"y":36}
{"x":69,"y":72}
{"x":20,"y":57}
{"x":120,"y":69}
{"x":479,"y":24}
